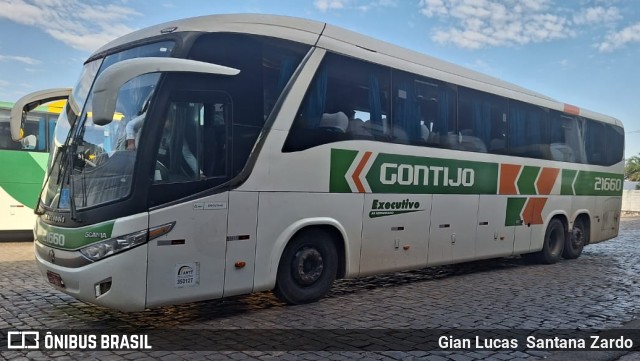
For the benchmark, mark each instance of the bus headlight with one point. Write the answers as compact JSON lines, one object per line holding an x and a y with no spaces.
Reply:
{"x":111,"y":246}
{"x":108,"y":247}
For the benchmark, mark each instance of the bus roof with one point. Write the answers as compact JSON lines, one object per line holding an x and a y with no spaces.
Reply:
{"x":347,"y":42}
{"x":54,"y":107}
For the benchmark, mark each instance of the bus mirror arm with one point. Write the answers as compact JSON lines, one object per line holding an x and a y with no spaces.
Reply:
{"x":30,"y":102}
{"x":107,"y":86}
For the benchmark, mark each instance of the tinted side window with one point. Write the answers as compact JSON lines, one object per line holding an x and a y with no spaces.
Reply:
{"x":528,"y":130}
{"x":482,"y":121}
{"x":348,"y":99}
{"x":5,"y":132}
{"x":595,"y":142}
{"x":266,"y":65}
{"x":35,"y":135}
{"x":615,"y":144}
{"x":424,"y":111}
{"x":194,"y":139}
{"x":565,"y":133}
{"x":604,"y":143}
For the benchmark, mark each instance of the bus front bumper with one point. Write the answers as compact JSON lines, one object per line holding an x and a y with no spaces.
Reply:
{"x":118,"y":281}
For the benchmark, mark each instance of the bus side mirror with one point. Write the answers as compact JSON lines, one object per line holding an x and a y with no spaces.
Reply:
{"x":30,"y":102}
{"x":107,"y":86}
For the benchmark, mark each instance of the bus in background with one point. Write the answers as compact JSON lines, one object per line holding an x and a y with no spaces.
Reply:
{"x":23,"y":165}
{"x":275,"y":153}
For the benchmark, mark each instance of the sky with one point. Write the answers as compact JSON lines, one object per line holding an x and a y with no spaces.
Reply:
{"x":581,"y":52}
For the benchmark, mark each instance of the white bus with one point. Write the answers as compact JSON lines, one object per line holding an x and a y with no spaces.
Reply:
{"x":275,"y":153}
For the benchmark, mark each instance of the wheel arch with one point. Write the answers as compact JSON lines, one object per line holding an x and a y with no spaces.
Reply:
{"x":552,"y":246}
{"x":330,"y":225}
{"x":562,"y":216}
{"x":559,"y":214}
{"x":585,"y":216}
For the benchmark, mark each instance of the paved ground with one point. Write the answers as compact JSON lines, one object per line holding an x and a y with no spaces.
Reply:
{"x":600,"y":290}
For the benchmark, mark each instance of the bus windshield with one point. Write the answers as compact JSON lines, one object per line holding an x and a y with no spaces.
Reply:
{"x":90,"y":163}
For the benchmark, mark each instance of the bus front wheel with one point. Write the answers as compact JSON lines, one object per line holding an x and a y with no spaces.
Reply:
{"x":554,"y":242}
{"x":307,"y":268}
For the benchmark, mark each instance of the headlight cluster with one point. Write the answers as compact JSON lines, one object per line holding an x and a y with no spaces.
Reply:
{"x":108,"y":247}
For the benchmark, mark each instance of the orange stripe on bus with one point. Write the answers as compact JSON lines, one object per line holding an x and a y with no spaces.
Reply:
{"x":571,"y":109}
{"x":508,"y":175}
{"x":532,"y":213}
{"x":547,"y":179}
{"x":356,"y":174}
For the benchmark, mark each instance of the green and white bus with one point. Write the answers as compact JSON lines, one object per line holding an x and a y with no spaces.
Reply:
{"x":22,"y":168}
{"x":273,"y":153}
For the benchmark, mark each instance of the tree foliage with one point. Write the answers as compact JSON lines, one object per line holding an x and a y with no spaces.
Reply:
{"x":632,"y":169}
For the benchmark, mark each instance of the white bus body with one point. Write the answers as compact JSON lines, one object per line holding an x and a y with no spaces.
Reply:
{"x":294,"y":188}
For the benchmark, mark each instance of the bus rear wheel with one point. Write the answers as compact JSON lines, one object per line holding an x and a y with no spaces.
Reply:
{"x":578,"y":238}
{"x":554,"y":242}
{"x":307,"y":268}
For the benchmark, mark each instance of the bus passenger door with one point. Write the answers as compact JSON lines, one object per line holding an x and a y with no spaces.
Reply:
{"x":193,"y":157}
{"x":453,"y":227}
{"x":187,"y":264}
{"x":495,"y":231}
{"x":395,"y":232}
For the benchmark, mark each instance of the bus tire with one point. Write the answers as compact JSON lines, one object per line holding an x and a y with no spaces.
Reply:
{"x":578,"y":238}
{"x":554,"y":241}
{"x":307,"y":268}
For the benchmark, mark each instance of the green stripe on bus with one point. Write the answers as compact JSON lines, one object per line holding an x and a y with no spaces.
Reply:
{"x":591,"y":183}
{"x":341,"y":160}
{"x":514,"y":210}
{"x":526,"y":181}
{"x":568,"y":175}
{"x":72,"y":238}
{"x":395,"y":173}
{"x":598,"y":184}
{"x":24,"y":186}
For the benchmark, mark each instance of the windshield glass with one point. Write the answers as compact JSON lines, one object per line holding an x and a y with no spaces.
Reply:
{"x":68,"y":116}
{"x":94,"y":164}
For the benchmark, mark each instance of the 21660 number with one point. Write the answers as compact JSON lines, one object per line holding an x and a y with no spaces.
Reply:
{"x":608,"y":184}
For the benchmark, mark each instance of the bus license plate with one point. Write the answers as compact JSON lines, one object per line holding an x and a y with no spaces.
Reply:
{"x":55,"y":279}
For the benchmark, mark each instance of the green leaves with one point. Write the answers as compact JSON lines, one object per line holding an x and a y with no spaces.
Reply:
{"x":632,"y":169}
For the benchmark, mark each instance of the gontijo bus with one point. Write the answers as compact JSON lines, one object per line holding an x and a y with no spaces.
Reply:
{"x":23,"y":167}
{"x":275,"y":153}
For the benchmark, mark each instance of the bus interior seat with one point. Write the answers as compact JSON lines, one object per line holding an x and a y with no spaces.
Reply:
{"x":377,"y":131}
{"x":358,"y":130}
{"x":337,"y":122}
{"x":400,"y":135}
{"x":469,"y":141}
{"x":473,"y":144}
{"x":424,"y":133}
{"x":451,"y":141}
{"x":497,"y":144}
{"x":561,"y":152}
